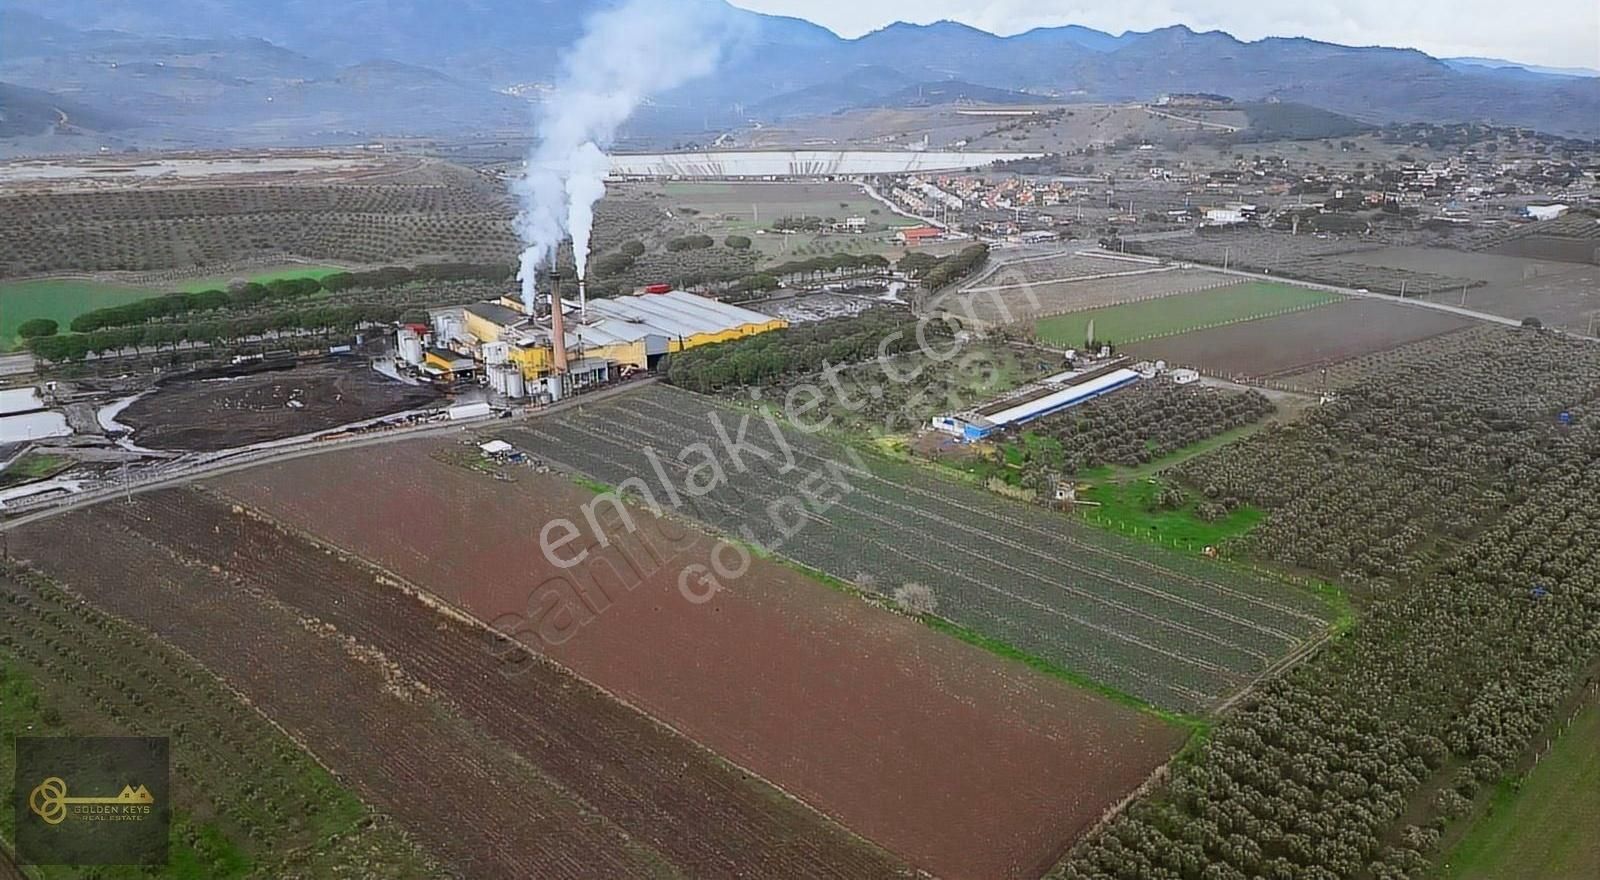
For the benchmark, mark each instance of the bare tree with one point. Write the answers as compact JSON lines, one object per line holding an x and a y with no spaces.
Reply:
{"x":916,"y":598}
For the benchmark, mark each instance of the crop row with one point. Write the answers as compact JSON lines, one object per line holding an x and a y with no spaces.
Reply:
{"x":1118,"y":614}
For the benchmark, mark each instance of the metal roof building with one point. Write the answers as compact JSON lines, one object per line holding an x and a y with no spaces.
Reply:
{"x":1034,"y":405}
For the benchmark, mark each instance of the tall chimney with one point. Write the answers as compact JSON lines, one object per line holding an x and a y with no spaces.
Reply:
{"x":583,"y":299}
{"x":558,"y":328}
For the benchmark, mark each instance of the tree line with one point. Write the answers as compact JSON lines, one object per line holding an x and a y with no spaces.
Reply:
{"x":324,"y":319}
{"x":248,"y":295}
{"x":799,"y":350}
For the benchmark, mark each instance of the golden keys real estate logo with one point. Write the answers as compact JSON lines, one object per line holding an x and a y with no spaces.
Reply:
{"x":50,"y":802}
{"x":92,"y":800}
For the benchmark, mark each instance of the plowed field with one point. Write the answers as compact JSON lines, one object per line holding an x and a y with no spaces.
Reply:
{"x":540,"y":775}
{"x":964,"y":764}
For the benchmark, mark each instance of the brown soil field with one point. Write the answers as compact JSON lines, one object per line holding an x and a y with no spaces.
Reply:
{"x":965,"y":764}
{"x":1562,"y":294}
{"x":536,"y":775}
{"x":1300,"y":341}
{"x":215,"y":414}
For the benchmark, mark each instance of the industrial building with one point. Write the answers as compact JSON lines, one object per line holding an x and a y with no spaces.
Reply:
{"x":602,"y":339}
{"x":1048,"y":397}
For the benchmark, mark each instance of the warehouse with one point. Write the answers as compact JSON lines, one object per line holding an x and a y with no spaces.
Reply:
{"x":1054,"y":395}
{"x":607,"y":337}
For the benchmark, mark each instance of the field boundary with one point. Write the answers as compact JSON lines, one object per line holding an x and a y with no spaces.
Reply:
{"x":1196,"y":329}
{"x":444,"y":607}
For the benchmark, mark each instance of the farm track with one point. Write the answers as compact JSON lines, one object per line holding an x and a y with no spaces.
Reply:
{"x":538,"y":776}
{"x":1164,"y":631}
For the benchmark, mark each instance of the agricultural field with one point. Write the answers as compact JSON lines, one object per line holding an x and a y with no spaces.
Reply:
{"x":1572,"y":238}
{"x":1135,"y":426}
{"x":1422,"y":436}
{"x":59,"y":300}
{"x":1178,"y":632}
{"x":527,"y":769}
{"x":743,"y":208}
{"x":1299,"y":344}
{"x":448,"y":214}
{"x":901,"y":394}
{"x":1564,"y":295}
{"x":1168,"y":316}
{"x":1008,"y":304}
{"x":1540,"y":825}
{"x":213,"y":414}
{"x":249,"y":801}
{"x":1446,"y":492}
{"x":1331,"y":260}
{"x":888,"y":696}
{"x":1042,"y":268}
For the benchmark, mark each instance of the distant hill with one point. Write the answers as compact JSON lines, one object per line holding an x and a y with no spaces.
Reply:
{"x":26,"y":112}
{"x":220,"y":71}
{"x":1291,"y":121}
{"x":1501,"y":64}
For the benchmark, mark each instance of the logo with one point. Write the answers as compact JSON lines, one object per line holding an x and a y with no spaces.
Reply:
{"x":92,"y":801}
{"x":49,"y":802}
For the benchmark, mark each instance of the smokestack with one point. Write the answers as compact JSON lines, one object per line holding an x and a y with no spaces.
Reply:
{"x":558,"y":328}
{"x":583,"y":300}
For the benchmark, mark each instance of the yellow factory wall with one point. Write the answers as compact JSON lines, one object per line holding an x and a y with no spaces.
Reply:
{"x":481,"y":329}
{"x":743,"y":330}
{"x":535,"y":362}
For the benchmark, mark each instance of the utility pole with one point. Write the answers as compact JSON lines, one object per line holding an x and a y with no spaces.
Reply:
{"x":1402,"y":288}
{"x":1463,"y":296}
{"x":1227,"y":251}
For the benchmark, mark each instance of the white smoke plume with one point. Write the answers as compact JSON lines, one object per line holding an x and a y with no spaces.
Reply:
{"x":627,"y":53}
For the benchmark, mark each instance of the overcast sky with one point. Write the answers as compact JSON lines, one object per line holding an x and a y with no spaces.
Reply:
{"x":1558,"y":33}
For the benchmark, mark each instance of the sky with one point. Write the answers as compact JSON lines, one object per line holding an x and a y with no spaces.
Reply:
{"x":1556,"y":33}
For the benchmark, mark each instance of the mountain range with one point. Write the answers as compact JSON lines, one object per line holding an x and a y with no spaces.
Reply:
{"x":215,"y":72}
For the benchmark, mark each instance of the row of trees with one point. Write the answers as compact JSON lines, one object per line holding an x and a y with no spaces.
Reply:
{"x":936,"y":272}
{"x":1356,"y":762}
{"x":246,"y":295}
{"x":799,"y":350}
{"x":329,"y":319}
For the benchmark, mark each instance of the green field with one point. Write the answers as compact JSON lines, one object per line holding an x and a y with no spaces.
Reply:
{"x":1172,"y":315}
{"x":221,"y":281}
{"x":66,"y":298}
{"x":1548,"y":828}
{"x":60,"y":300}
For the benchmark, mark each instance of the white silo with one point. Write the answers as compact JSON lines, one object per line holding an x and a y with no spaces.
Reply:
{"x":516,"y":385}
{"x":410,"y":345}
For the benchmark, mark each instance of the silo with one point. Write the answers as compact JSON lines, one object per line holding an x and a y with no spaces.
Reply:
{"x":410,"y":346}
{"x":516,"y":385}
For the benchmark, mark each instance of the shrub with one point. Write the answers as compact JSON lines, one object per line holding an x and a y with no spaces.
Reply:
{"x":34,"y":328}
{"x":690,"y":243}
{"x":738,"y":242}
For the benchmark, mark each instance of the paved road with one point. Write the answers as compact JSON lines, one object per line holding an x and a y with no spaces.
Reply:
{"x":215,"y":465}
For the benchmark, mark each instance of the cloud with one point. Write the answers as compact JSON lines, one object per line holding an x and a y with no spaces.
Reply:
{"x":1556,"y":32}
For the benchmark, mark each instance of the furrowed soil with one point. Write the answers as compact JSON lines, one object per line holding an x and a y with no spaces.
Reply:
{"x":1300,"y":341}
{"x":532,"y":775}
{"x":965,"y":764}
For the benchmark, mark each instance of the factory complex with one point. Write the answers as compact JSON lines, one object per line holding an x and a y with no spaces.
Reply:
{"x":513,"y":349}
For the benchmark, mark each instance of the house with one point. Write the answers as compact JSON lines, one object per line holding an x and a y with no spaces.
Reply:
{"x":918,"y":235}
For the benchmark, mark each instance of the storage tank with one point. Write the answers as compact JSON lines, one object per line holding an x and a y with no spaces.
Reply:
{"x":496,"y":353}
{"x":516,"y":385}
{"x":410,"y":345}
